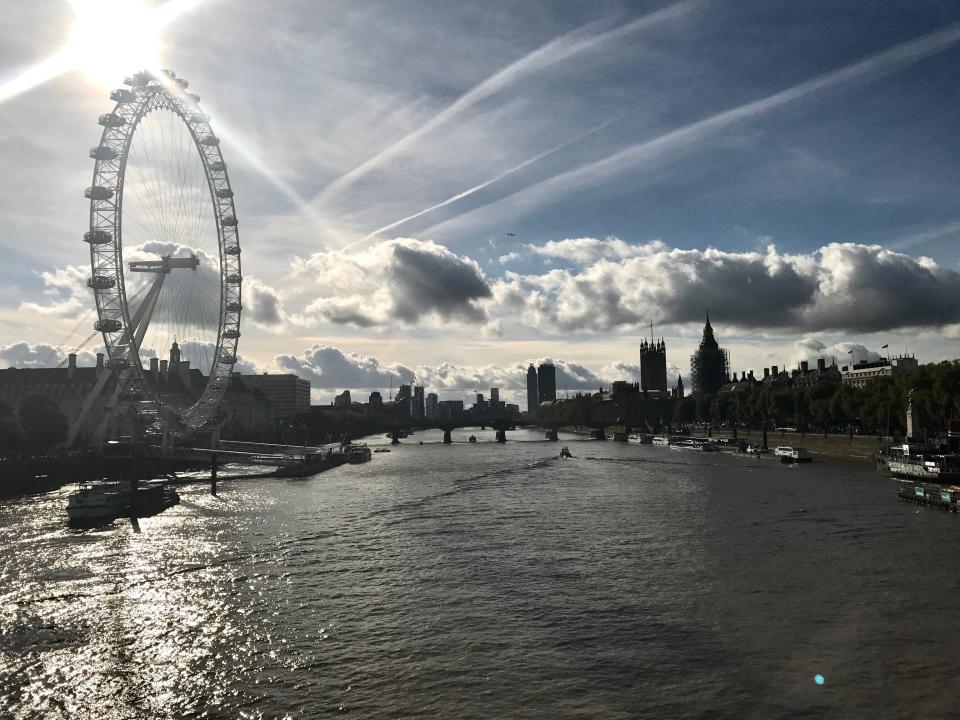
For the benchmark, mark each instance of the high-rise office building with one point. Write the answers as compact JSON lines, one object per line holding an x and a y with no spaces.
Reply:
{"x":546,"y":382}
{"x":533,"y":394}
{"x":417,"y":409}
{"x":494,"y":397}
{"x":430,"y":407}
{"x":289,"y":395}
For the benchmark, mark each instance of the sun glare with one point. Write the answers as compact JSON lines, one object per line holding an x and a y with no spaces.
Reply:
{"x":112,"y":38}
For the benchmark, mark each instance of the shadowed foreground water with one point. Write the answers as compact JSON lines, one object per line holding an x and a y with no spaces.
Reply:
{"x":492,"y":581}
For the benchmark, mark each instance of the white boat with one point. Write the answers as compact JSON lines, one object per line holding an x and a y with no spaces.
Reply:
{"x":789,"y":454}
{"x":358,"y":454}
{"x":98,"y":500}
{"x":661,"y":440}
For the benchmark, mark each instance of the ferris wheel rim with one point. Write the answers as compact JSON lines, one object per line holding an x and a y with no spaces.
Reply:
{"x":149,"y":93}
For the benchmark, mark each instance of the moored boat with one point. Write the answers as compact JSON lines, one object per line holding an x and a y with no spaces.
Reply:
{"x":357,"y":454}
{"x":98,"y":500}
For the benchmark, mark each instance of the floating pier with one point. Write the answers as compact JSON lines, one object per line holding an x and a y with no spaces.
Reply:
{"x":938,"y":496}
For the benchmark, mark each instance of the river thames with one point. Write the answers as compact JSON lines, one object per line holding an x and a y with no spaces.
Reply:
{"x":491,"y":581}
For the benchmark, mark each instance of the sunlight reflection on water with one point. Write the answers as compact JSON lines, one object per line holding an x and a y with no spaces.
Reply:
{"x":483,"y":580}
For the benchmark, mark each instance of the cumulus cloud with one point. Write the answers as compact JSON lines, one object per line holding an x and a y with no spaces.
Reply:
{"x":329,"y":368}
{"x":402,"y":280}
{"x":65,"y":293}
{"x":586,"y":250}
{"x":811,"y":349}
{"x":261,"y":303}
{"x":25,"y":355}
{"x":840,"y":287}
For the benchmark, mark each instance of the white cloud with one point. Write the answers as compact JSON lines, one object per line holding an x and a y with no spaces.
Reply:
{"x":840,"y":287}
{"x":403,"y":280}
{"x":41,"y":355}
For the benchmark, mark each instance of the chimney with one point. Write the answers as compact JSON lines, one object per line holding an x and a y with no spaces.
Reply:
{"x":99,"y":363}
{"x":154,"y":365}
{"x":804,"y":366}
{"x":773,"y":370}
{"x":71,"y":364}
{"x":766,"y":373}
{"x":821,"y":364}
{"x":163,"y":367}
{"x":751,"y":377}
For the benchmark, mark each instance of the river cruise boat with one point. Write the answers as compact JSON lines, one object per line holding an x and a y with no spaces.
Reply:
{"x":357,"y":454}
{"x":98,"y":500}
{"x":106,"y":500}
{"x":692,"y":443}
{"x":919,"y":462}
{"x":663,"y":440}
{"x":789,"y":454}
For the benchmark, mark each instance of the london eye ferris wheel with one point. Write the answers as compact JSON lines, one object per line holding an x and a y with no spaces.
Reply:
{"x":164,"y":248}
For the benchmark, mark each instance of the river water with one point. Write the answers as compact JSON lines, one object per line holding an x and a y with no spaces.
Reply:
{"x":492,"y":581}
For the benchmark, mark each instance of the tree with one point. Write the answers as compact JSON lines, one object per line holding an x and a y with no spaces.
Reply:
{"x":42,"y":421}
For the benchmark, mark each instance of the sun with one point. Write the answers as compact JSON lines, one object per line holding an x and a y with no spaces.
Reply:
{"x":113,"y":38}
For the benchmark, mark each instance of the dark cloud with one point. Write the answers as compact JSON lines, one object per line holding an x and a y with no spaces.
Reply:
{"x":840,"y":287}
{"x":261,"y":303}
{"x":428,"y":278}
{"x":403,"y":280}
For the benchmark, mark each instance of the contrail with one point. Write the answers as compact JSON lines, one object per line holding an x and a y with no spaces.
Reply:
{"x":922,"y":238}
{"x":685,"y":137}
{"x":558,"y":49}
{"x":481,"y":186}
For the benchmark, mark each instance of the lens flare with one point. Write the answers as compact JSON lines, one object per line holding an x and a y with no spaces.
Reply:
{"x":111,"y":38}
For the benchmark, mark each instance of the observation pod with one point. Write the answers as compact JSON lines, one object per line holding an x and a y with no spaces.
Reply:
{"x":225,"y":194}
{"x":101,"y":282}
{"x":210,"y":141}
{"x":118,"y":363}
{"x":110,"y":326}
{"x":98,"y":192}
{"x":229,"y":221}
{"x":199,"y":117}
{"x":169,"y":73}
{"x":232,"y":250}
{"x":103,"y":153}
{"x":234,"y":307}
{"x":111,"y":120}
{"x":194,"y":97}
{"x":123,"y":96}
{"x":137,"y":79}
{"x":97,"y":237}
{"x":228,"y":359}
{"x":234,"y":279}
{"x":232,"y":333}
{"x":181,"y":83}
{"x":218,"y":166}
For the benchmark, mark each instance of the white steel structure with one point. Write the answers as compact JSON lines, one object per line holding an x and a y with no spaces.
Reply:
{"x":161,"y":194}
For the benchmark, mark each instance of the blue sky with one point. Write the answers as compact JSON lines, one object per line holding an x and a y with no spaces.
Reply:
{"x":791,"y":166}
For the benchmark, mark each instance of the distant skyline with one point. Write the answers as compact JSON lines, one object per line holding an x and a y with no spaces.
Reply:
{"x":453,"y":190}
